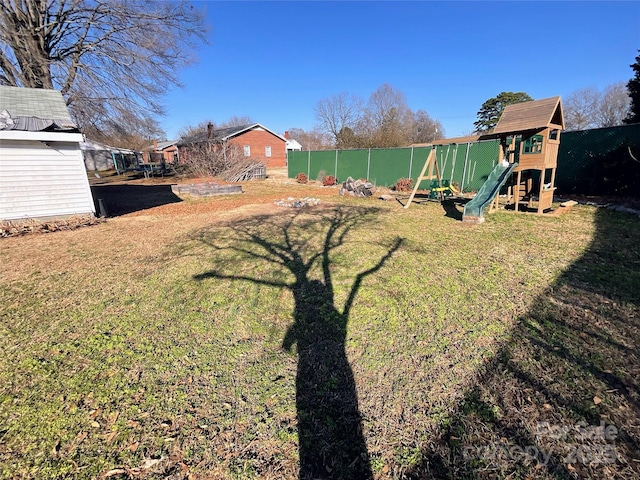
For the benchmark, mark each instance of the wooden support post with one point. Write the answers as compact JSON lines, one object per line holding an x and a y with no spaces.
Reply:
{"x":516,"y":195}
{"x":529,"y":188}
{"x":542,"y":175}
{"x":432,"y":164}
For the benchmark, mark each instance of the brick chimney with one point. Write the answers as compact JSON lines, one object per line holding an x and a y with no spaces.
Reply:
{"x":286,"y":135}
{"x":155,"y":144}
{"x":209,"y":130}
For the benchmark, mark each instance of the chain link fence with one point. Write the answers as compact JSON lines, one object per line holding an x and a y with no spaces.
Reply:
{"x":466,"y":164}
{"x":603,"y":161}
{"x":600,"y":162}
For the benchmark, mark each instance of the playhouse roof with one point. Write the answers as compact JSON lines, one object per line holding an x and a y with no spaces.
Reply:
{"x":532,"y":115}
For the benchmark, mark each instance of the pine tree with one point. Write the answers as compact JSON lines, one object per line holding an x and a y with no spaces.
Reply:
{"x":633,"y":86}
{"x":490,"y":111}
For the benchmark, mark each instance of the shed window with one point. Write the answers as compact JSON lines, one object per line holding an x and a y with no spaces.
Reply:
{"x":533,"y":144}
{"x":267,"y":151}
{"x":247,"y":150}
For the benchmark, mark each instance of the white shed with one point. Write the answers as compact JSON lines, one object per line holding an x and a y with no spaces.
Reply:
{"x":98,"y":156}
{"x":42,"y":172}
{"x":293,"y":144}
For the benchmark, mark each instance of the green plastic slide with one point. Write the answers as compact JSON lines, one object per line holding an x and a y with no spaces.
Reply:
{"x":488,"y":190}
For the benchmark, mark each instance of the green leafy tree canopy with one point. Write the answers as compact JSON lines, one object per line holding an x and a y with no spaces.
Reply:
{"x":490,"y":111}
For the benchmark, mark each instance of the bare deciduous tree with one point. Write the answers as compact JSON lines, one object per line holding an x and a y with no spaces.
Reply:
{"x":204,"y":154}
{"x":337,"y":112}
{"x":237,"y":121}
{"x":385,"y":118}
{"x":208,"y":159}
{"x":111,"y":59}
{"x":589,"y":108}
{"x":580,"y":109}
{"x":194,"y":130}
{"x":423,"y":128}
{"x":120,"y":134}
{"x":384,"y":121}
{"x":614,"y":105}
{"x":312,"y":139}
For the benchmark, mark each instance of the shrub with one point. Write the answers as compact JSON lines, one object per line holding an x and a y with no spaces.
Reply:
{"x":329,"y":180}
{"x":404,"y":185}
{"x":209,"y":160}
{"x":301,"y":178}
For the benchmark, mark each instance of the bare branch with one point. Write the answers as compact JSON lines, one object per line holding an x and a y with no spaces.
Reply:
{"x":111,"y":59}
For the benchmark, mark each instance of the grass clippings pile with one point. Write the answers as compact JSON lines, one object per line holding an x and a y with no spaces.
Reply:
{"x":355,"y":339}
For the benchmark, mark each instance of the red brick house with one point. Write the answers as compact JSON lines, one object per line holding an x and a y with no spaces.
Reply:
{"x":255,"y":140}
{"x":161,"y":152}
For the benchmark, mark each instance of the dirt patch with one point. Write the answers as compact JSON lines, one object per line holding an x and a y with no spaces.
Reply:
{"x":132,"y":195}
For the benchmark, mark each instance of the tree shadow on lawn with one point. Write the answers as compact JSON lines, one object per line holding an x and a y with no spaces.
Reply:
{"x":562,"y":397}
{"x":331,"y":442}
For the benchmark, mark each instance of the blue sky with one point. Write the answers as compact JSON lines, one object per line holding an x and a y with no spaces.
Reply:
{"x":273,"y":61}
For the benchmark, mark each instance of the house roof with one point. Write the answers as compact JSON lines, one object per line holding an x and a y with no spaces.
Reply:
{"x":33,"y":110}
{"x":161,"y":145}
{"x":93,"y":145}
{"x":532,"y":115}
{"x":293,"y":144}
{"x":449,"y":141}
{"x":223,"y":134}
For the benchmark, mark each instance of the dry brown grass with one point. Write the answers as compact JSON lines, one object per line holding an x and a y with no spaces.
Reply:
{"x":159,"y":343}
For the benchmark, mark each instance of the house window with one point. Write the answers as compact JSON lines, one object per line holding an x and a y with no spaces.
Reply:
{"x":247,"y":150}
{"x":533,"y":144}
{"x":267,"y":151}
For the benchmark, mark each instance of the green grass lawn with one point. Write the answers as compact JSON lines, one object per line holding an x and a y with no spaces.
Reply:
{"x":353,"y":339}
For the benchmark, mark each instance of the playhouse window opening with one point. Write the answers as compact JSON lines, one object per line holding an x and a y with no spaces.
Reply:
{"x":553,"y":134}
{"x":533,"y":144}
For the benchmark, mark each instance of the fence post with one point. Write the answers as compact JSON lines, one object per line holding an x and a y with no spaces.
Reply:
{"x":411,"y":162}
{"x":369,"y":165}
{"x":464,"y":170}
{"x":335,"y":172}
{"x":115,"y":162}
{"x":453,"y":162}
{"x":309,"y":164}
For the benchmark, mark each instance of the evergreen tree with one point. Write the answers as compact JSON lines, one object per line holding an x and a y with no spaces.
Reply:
{"x":633,"y":86}
{"x":490,"y":111}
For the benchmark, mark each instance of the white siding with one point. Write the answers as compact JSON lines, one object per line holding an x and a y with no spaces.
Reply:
{"x":39,"y":181}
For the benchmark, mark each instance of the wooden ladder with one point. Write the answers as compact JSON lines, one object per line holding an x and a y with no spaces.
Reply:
{"x":432,"y":164}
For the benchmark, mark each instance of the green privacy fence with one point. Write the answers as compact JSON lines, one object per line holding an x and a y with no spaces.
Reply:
{"x":600,"y":162}
{"x":467,"y":164}
{"x":590,"y":162}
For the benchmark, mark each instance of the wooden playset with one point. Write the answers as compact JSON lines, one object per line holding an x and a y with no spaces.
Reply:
{"x":529,"y":133}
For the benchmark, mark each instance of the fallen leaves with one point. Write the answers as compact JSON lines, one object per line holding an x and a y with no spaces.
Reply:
{"x":111,"y":436}
{"x":146,"y":465}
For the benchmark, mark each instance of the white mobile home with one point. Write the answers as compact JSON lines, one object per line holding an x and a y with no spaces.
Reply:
{"x":42,"y":172}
